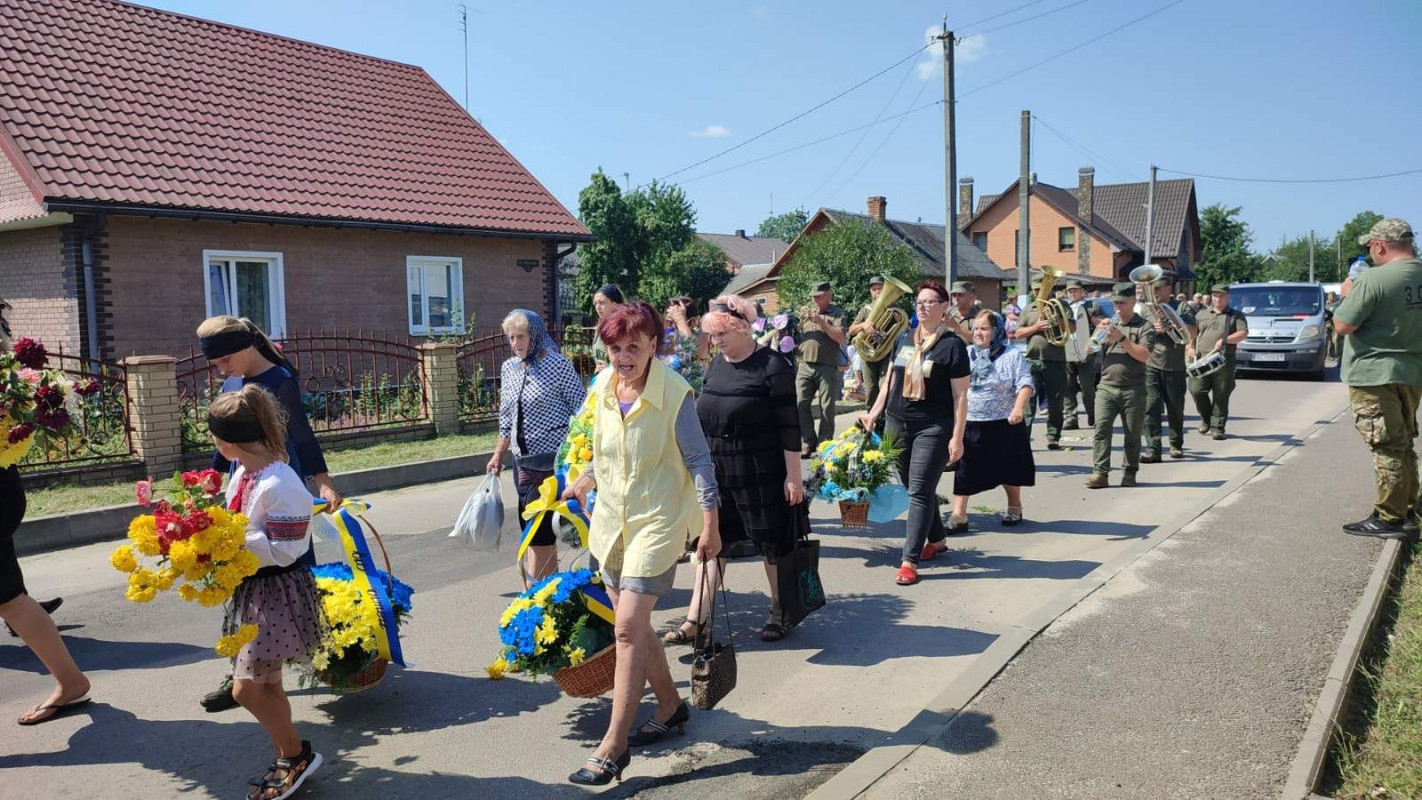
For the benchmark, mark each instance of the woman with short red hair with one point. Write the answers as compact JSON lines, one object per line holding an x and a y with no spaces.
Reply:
{"x":656,"y":488}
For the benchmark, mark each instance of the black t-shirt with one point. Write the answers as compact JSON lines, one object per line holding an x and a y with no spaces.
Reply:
{"x":946,"y":360}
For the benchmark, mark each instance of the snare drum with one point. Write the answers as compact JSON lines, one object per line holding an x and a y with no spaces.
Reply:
{"x":1206,"y":366}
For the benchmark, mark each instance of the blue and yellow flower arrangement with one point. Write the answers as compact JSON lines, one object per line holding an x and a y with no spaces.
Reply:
{"x":349,"y":647}
{"x":558,"y":622}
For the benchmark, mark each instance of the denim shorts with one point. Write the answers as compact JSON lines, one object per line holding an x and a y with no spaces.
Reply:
{"x":656,"y":585}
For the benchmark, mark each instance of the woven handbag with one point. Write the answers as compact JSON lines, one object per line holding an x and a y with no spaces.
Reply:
{"x":713,"y":672}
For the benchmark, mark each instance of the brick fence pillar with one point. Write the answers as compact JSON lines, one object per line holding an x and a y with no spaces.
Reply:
{"x":441,"y":376}
{"x":157,"y":425}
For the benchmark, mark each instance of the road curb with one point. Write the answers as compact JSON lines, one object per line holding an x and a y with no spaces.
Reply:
{"x":61,"y":531}
{"x":864,"y":772}
{"x":1333,"y":700}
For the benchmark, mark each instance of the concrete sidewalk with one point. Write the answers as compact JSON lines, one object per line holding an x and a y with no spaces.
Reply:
{"x":1193,"y":673}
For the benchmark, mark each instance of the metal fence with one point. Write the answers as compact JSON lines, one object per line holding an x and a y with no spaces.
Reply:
{"x":101,"y":410}
{"x":350,"y":382}
{"x":481,"y":358}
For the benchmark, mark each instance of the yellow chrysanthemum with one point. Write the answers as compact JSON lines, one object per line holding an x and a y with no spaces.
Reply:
{"x":189,"y":592}
{"x":228,"y":646}
{"x":143,"y":532}
{"x":547,"y":632}
{"x":542,"y":596}
{"x":211,"y":596}
{"x":123,"y":559}
{"x":12,"y":454}
{"x":576,"y":656}
{"x":496,"y":670}
{"x":873,"y":457}
{"x":182,"y":555}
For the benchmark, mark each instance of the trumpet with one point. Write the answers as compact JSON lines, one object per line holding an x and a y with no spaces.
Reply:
{"x":1098,"y":339}
{"x":1144,"y":278}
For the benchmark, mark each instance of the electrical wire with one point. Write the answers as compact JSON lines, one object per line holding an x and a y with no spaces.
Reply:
{"x":1358,"y":179}
{"x":1006,"y":25}
{"x":798,"y":116}
{"x":1069,"y":50}
{"x":862,"y":135}
{"x":1084,"y":150}
{"x":890,"y":135}
{"x":1003,"y":14}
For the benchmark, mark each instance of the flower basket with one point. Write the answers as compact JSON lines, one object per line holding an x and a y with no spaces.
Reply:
{"x":854,"y":514}
{"x":592,"y":678}
{"x":341,"y":683}
{"x":348,"y":660}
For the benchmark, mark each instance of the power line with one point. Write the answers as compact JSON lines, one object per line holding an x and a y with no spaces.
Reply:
{"x":860,"y":140}
{"x":1070,"y":50}
{"x":811,"y":144}
{"x":1028,"y":19}
{"x":801,"y":115}
{"x":1084,"y":150}
{"x":890,"y":135}
{"x":1003,"y":14}
{"x":1358,"y":179}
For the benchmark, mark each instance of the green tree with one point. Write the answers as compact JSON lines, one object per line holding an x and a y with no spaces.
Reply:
{"x":784,"y":227}
{"x":613,"y":257}
{"x":697,"y":271}
{"x":1348,"y":235}
{"x":1290,"y":261}
{"x":1225,"y":256}
{"x":845,"y":254}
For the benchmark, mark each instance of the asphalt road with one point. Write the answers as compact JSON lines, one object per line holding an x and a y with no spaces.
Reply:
{"x":851,"y":676}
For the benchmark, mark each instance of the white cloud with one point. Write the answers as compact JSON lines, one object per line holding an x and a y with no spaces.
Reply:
{"x":971,"y":48}
{"x":711,"y":132}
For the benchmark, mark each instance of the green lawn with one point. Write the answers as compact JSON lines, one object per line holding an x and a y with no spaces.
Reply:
{"x":66,"y":499}
{"x":1380,"y":755}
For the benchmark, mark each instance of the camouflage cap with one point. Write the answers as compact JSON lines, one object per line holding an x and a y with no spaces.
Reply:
{"x":1124,"y":291}
{"x":962,"y":287}
{"x":1391,"y":229}
{"x":1220,"y":287}
{"x":877,"y":280}
{"x":822,"y":287}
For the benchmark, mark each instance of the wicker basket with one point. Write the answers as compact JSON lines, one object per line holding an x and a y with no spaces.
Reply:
{"x":854,"y":515}
{"x":373,"y":673}
{"x":592,"y":678}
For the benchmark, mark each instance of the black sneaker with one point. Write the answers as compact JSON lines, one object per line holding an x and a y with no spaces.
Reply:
{"x":1153,"y":457}
{"x":220,"y":699}
{"x":49,"y":607}
{"x":1375,"y":526}
{"x":1052,"y":445}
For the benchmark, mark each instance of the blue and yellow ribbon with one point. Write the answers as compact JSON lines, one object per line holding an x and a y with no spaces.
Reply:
{"x":549,"y":502}
{"x":346,"y":521}
{"x":596,"y":599}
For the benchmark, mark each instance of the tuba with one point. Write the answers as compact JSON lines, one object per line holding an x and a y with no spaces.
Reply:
{"x":889,"y":322}
{"x":1054,"y":312}
{"x":1144,"y":278}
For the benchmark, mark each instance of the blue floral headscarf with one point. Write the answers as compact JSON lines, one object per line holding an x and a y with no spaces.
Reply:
{"x":981,"y":358}
{"x":540,"y":343}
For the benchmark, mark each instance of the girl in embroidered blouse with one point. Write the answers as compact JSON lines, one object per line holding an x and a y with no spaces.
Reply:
{"x":249,"y":429}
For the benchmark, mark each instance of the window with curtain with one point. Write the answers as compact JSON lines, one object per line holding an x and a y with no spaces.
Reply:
{"x":1066,"y":239}
{"x":247,"y":285}
{"x":435,"y":292}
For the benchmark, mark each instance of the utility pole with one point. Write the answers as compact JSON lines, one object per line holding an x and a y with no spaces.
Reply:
{"x":1338,"y":265}
{"x":1310,"y":256}
{"x":464,"y":25}
{"x":626,"y":181}
{"x":950,"y":136}
{"x":1150,"y":214}
{"x":1024,"y":230}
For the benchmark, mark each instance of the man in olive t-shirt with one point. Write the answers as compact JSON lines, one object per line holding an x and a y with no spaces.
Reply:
{"x":1048,"y":364}
{"x":1220,"y":329}
{"x":1165,"y":382}
{"x":1381,"y":321}
{"x":817,"y":376}
{"x":1122,"y":390}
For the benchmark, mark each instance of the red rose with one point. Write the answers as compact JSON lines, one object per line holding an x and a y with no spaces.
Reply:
{"x":197,"y":521}
{"x":190,"y":479}
{"x":170,"y":528}
{"x":211,"y":481}
{"x":143,"y":491}
{"x":30,"y":352}
{"x":47,"y":396}
{"x":21,"y":432}
{"x":54,"y":420}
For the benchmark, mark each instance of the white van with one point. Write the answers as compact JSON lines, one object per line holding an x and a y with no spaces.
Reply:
{"x":1287,"y":331}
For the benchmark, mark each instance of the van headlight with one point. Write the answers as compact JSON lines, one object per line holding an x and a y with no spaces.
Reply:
{"x":1307,"y":333}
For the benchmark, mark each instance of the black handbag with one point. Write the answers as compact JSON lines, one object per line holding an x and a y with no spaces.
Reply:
{"x":797,"y":573}
{"x":713,"y":671}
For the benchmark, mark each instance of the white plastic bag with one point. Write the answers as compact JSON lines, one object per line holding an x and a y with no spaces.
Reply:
{"x":482,"y":520}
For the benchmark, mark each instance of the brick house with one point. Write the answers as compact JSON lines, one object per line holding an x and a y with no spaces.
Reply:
{"x":158,"y":169}
{"x":1094,"y":232}
{"x":925,"y":240}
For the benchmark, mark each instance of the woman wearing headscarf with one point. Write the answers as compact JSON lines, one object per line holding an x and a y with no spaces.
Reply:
{"x":538,"y":392}
{"x":996,"y":447}
{"x":243,"y":353}
{"x":605,"y":299}
{"x":927,"y":404}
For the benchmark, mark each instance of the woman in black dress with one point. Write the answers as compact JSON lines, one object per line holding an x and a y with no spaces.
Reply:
{"x":747,"y":409}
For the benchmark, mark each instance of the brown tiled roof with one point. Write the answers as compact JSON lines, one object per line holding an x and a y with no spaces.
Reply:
{"x":749,"y":276}
{"x":747,"y":250}
{"x":121,"y":105}
{"x":927,"y":242}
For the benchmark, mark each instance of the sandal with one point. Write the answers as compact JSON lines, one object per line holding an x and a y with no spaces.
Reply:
{"x":1012,"y":516}
{"x":930,"y":550}
{"x":772,"y":632}
{"x":285,"y":775}
{"x":55,"y":710}
{"x":954,"y":526}
{"x":695,"y":637}
{"x":606,"y":770}
{"x":907,"y":576}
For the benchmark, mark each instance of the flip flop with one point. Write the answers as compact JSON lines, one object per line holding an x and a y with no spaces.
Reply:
{"x":57,"y":711}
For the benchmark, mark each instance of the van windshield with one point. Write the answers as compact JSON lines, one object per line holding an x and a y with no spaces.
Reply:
{"x":1277,"y":301}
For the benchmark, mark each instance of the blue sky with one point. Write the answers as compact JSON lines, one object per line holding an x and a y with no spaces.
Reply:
{"x":1246,"y":88}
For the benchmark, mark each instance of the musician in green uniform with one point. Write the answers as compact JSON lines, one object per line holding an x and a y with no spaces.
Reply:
{"x":822,"y":334}
{"x":964,"y":309}
{"x":873,"y":370}
{"x":1121,"y":391}
{"x":1048,"y":364}
{"x":1080,"y":362}
{"x":1165,"y":381}
{"x":1221,"y":328}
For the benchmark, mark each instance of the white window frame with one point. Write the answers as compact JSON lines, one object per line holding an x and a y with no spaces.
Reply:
{"x":276,"y":285}
{"x":416,"y":265}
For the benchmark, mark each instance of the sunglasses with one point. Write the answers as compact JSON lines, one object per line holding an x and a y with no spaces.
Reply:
{"x":725,"y":309}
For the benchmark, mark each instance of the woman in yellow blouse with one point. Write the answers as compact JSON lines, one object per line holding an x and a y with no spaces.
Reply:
{"x":656,"y":488}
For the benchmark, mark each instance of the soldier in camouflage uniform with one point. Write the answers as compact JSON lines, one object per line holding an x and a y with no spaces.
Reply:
{"x":1219,"y":328}
{"x":1122,"y":390}
{"x":1381,"y":322}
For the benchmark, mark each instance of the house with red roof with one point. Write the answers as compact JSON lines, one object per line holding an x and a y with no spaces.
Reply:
{"x":157,"y":169}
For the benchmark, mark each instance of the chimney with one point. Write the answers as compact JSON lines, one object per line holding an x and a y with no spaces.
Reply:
{"x":965,"y":202}
{"x":740,"y":233}
{"x":876,"y":208}
{"x":1085,"y":185}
